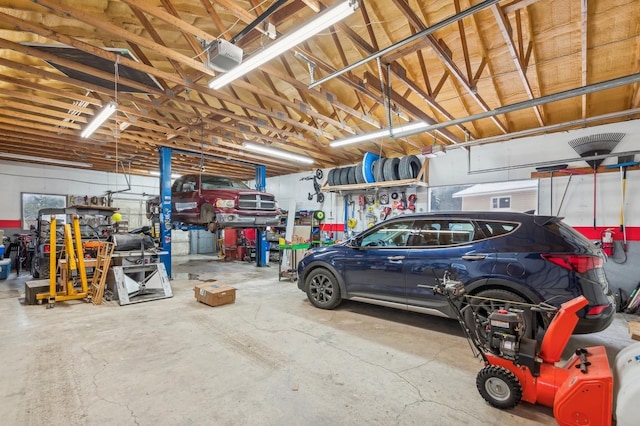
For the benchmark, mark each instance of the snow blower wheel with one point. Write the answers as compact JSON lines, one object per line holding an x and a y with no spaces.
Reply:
{"x":499,"y":387}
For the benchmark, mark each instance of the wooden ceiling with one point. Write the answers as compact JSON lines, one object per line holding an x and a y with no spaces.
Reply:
{"x":504,"y":54}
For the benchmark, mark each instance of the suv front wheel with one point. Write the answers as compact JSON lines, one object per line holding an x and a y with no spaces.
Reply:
{"x":323,"y":290}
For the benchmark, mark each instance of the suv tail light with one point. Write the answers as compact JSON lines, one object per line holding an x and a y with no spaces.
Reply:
{"x":46,"y":248}
{"x":596,"y":310}
{"x":579,"y":263}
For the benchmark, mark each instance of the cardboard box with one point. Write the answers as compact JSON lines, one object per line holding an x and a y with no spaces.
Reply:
{"x":215,"y":294}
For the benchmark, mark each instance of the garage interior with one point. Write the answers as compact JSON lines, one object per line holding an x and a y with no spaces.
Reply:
{"x":512,"y":105}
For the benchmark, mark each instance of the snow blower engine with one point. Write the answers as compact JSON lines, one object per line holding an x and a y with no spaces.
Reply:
{"x":504,"y":332}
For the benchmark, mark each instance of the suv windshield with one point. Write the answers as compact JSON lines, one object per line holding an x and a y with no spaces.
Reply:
{"x":218,"y":182}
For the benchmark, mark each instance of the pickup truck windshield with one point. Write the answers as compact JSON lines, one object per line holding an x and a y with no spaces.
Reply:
{"x":221,"y":182}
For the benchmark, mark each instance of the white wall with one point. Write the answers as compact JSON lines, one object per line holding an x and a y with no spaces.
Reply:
{"x":18,"y":177}
{"x":462,"y":167}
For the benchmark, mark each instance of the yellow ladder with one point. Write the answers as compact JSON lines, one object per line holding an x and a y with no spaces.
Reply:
{"x":103,"y":260}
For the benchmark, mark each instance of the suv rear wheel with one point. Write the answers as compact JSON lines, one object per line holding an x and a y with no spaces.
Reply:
{"x":323,"y":290}
{"x":486,"y":301}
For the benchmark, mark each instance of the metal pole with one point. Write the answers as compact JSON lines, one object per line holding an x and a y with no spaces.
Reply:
{"x":567,"y":94}
{"x":416,"y":36}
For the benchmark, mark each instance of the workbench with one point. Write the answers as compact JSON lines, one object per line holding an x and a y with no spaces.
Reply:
{"x":290,"y":270}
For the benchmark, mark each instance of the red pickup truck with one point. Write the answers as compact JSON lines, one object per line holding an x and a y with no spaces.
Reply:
{"x":221,"y":202}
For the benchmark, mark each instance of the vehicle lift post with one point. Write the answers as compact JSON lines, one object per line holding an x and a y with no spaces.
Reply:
{"x":166,"y":219}
{"x":262,"y":246}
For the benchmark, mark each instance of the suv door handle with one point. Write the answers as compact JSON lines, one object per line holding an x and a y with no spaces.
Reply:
{"x":473,"y":257}
{"x":395,"y":258}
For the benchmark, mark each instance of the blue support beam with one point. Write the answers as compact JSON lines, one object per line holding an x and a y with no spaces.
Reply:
{"x":166,"y":219}
{"x":261,"y":178}
{"x":262,"y":245}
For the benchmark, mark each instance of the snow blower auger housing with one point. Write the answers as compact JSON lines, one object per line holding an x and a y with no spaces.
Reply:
{"x":517,"y":368}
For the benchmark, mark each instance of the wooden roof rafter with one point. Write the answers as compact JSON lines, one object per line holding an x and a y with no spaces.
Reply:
{"x":517,"y":56}
{"x":419,"y":25}
{"x":400,"y":73}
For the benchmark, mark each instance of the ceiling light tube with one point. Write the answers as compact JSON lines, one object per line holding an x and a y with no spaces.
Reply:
{"x":277,"y":153}
{"x":322,"y":21}
{"x":157,"y":173}
{"x":44,"y":160}
{"x":99,"y":118}
{"x":394,"y":132}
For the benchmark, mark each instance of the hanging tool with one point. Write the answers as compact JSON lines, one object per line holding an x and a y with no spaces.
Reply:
{"x":317,"y":177}
{"x":551,"y":169}
{"x":385,"y":212}
{"x":347,"y":199}
{"x":361,"y":205}
{"x":571,"y":173}
{"x":402,"y":205}
{"x":593,"y":145}
{"x":623,"y":163}
{"x":412,"y":202}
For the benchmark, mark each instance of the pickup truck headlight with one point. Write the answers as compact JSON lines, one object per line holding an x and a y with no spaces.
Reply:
{"x":225,"y":204}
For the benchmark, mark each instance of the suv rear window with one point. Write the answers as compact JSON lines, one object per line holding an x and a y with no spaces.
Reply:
{"x":568,"y":233}
{"x":494,"y":229}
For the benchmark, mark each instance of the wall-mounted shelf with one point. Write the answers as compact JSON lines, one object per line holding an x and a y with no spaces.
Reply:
{"x":365,"y":186}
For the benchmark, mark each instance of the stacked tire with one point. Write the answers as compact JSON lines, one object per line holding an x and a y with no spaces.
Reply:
{"x":349,"y":175}
{"x":384,"y":169}
{"x":390,"y":169}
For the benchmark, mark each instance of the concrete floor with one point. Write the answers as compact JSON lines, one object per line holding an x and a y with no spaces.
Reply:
{"x":270,"y":358}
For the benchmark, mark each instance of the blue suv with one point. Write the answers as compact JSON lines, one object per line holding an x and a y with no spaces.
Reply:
{"x":500,"y":257}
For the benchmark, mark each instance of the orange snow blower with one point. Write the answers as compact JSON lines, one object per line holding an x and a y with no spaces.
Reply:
{"x":517,"y":368}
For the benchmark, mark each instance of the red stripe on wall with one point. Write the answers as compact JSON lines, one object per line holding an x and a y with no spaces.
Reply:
{"x":332,"y":227}
{"x":633,"y":232}
{"x":10,"y":224}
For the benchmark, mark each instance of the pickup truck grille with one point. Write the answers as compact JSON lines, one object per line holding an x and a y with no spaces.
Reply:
{"x":257,"y":202}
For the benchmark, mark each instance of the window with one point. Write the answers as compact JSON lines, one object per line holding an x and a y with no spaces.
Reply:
{"x":442,"y":232}
{"x":33,"y":203}
{"x":188,"y":184}
{"x":395,"y":235}
{"x":493,"y":229}
{"x":216,"y":182}
{"x":501,"y":203}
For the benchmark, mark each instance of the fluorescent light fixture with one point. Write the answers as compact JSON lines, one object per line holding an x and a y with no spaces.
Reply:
{"x":156,"y":173}
{"x":323,"y":20}
{"x":434,"y":151}
{"x":44,"y":160}
{"x":277,"y":153}
{"x":99,"y":118}
{"x":394,"y":132}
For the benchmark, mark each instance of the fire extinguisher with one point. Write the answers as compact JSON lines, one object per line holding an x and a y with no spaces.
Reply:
{"x":606,"y":240}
